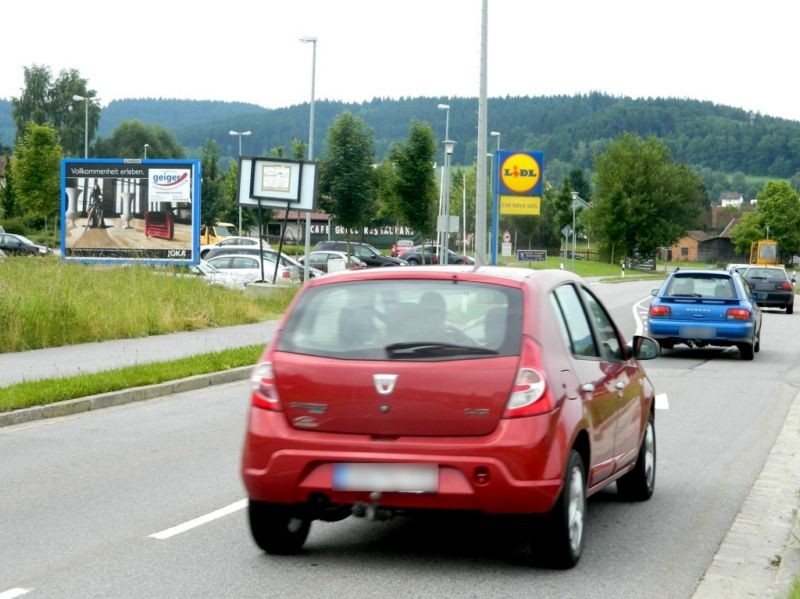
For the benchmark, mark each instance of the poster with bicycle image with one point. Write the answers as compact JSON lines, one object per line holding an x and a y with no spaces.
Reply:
{"x":130,"y":210}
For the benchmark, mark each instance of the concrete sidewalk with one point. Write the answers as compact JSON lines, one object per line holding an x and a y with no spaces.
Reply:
{"x":759,"y":557}
{"x":85,"y":358}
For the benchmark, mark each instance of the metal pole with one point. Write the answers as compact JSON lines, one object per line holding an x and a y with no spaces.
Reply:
{"x":240,"y":206}
{"x":446,"y":191}
{"x":441,"y":235}
{"x":313,"y":42}
{"x":464,"y":213}
{"x":480,"y":193}
{"x":573,"y":234}
{"x":86,"y":128}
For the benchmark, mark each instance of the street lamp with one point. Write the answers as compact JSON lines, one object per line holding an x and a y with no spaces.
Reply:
{"x":313,"y":41}
{"x":145,"y":150}
{"x":444,"y":209}
{"x":240,"y":134}
{"x":495,"y":222}
{"x":497,"y":135}
{"x":577,"y":202}
{"x":86,"y":101}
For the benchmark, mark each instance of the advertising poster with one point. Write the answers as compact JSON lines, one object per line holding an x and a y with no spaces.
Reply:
{"x":130,"y":210}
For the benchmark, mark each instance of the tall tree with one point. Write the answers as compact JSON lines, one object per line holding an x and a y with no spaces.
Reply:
{"x":298,"y":149}
{"x":643,"y":199}
{"x":215,"y":205}
{"x":416,"y":182}
{"x":389,"y":205}
{"x":347,"y":179}
{"x":562,"y":208}
{"x":579,"y":183}
{"x":129,"y":138}
{"x":46,"y":101}
{"x":32,"y":105}
{"x":36,"y":169}
{"x":777,"y":216}
{"x":8,"y":200}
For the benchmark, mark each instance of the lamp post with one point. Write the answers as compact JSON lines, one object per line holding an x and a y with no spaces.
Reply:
{"x":443,"y":207}
{"x":577,"y":202}
{"x":495,"y":223}
{"x":240,"y":134}
{"x":145,"y":150}
{"x":497,"y":135}
{"x":313,"y":41}
{"x":85,"y":100}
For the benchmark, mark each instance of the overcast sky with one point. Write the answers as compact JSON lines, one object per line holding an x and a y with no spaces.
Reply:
{"x":737,"y":53}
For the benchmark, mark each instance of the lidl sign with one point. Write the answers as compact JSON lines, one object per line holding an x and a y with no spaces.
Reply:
{"x":519,"y":182}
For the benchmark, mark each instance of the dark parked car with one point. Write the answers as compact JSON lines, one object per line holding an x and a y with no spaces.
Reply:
{"x":491,"y":390}
{"x":429,"y":254}
{"x":363,"y":251}
{"x":401,"y":246}
{"x":331,"y":260}
{"x":772,"y":286}
{"x":706,"y":307}
{"x":19,"y":245}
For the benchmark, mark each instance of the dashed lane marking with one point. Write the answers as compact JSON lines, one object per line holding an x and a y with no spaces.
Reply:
{"x":178,"y":529}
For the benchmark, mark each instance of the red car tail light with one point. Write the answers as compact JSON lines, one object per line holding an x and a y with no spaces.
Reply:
{"x":786,"y":286}
{"x":264,"y":393}
{"x":738,"y":314}
{"x":529,"y":395}
{"x":660,"y":311}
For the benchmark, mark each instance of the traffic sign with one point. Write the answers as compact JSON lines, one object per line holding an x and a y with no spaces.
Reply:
{"x":531,"y":255}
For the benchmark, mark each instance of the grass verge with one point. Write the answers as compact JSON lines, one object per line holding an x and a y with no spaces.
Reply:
{"x":47,"y":303}
{"x":37,"y":393}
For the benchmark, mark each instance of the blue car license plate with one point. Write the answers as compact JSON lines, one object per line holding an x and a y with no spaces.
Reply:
{"x":400,"y":478}
{"x":698,"y":332}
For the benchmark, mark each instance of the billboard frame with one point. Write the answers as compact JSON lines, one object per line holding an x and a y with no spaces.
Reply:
{"x":149,"y":211}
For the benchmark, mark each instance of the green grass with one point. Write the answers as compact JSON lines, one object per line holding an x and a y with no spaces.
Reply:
{"x":794,"y":591}
{"x":590,"y":268}
{"x":46,"y":303}
{"x":36,"y":393}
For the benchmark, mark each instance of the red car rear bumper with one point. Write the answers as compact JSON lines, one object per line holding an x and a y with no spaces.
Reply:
{"x":518,"y":469}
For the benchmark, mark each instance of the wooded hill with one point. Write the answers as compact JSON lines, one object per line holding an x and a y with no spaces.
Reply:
{"x":569,"y":129}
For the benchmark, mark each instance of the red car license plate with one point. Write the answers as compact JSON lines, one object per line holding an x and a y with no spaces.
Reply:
{"x":401,"y":478}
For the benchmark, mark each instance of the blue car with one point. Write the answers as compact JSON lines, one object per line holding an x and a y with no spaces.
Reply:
{"x":706,"y":307}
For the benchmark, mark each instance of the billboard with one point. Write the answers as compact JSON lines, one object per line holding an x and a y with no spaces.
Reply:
{"x":115,"y":210}
{"x":277,"y":183}
{"x":519,"y":177}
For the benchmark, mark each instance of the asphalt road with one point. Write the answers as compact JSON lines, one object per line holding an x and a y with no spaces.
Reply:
{"x":82,"y":496}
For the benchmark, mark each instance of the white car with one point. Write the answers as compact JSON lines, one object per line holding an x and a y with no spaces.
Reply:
{"x":740,"y":268}
{"x":295,"y":267}
{"x":213,"y":276}
{"x":235,"y":241}
{"x":331,"y":261}
{"x":251,"y":269}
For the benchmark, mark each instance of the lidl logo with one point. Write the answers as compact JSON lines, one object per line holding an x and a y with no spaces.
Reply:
{"x":520,"y":173}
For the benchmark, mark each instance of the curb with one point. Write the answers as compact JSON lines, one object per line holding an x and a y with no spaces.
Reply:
{"x":760,"y":554}
{"x":123,"y":396}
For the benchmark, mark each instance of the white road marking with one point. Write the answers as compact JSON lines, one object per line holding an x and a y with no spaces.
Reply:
{"x":662,"y":401}
{"x":12,"y":593}
{"x":637,"y":318}
{"x":176,"y":530}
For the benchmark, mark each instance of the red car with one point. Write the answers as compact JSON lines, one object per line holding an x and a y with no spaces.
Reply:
{"x":498,"y":390}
